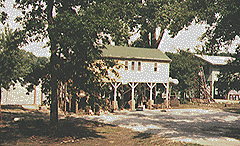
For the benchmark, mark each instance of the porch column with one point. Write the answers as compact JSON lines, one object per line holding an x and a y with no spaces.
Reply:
{"x":133,"y":85}
{"x":212,"y":85}
{"x":167,"y":92}
{"x":151,"y":86}
{"x":114,"y":103}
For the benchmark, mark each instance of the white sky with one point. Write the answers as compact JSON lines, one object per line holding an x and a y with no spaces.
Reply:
{"x":184,"y":40}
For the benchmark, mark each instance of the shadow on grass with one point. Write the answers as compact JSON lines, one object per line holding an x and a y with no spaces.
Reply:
{"x":143,"y":135}
{"x":12,"y":107}
{"x":232,"y":110}
{"x":35,"y":127}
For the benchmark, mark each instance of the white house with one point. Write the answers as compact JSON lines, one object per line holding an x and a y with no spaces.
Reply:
{"x":138,"y":66}
{"x":17,"y":96}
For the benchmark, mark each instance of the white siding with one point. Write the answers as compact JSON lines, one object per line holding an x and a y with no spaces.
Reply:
{"x":147,"y":73}
{"x":18,"y":96}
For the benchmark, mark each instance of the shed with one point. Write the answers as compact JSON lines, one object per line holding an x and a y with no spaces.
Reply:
{"x":211,"y":70}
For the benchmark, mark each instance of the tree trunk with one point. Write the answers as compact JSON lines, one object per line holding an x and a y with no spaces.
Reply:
{"x":53,"y":70}
{"x":54,"y":99}
{"x":158,"y":41}
{"x":1,"y":104}
{"x":61,"y":94}
{"x":65,"y":97}
{"x":154,"y":42}
{"x":35,"y":94}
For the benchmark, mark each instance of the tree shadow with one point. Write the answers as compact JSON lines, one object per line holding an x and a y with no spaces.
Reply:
{"x":143,"y":135}
{"x":35,"y":126}
{"x":232,"y":110}
{"x":12,"y":107}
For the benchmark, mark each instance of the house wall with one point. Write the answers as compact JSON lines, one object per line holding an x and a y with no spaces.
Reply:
{"x":18,"y":96}
{"x":147,"y":73}
{"x":212,"y":72}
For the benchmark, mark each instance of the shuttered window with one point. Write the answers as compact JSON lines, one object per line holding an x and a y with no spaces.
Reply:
{"x":155,"y":67}
{"x":126,"y":65}
{"x":139,"y":66}
{"x":133,"y":65}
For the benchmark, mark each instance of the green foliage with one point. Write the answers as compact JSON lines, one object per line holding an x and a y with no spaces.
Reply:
{"x":224,"y":27}
{"x":229,"y":77}
{"x":11,"y":60}
{"x":223,"y":30}
{"x":171,"y":15}
{"x":3,"y":15}
{"x":73,"y":29}
{"x":184,"y":101}
{"x":74,"y":33}
{"x":185,"y":67}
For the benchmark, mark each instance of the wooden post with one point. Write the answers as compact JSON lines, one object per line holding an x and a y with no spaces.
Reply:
{"x":167,"y":91}
{"x":58,"y":94}
{"x":167,"y":94}
{"x":76,"y":106}
{"x":35,"y":93}
{"x":70,"y":102}
{"x":65,"y":97}
{"x":1,"y":105}
{"x":61,"y":95}
{"x":115,"y":104}
{"x":212,"y":85}
{"x":151,"y":86}
{"x":41,"y":94}
{"x":133,"y":85}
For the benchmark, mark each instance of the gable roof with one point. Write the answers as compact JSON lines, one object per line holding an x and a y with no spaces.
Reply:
{"x":215,"y":60}
{"x":234,"y":92}
{"x":121,"y":52}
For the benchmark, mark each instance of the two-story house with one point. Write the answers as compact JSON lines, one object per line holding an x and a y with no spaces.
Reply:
{"x":139,"y":66}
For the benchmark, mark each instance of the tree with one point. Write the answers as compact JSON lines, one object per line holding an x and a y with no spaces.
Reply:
{"x":3,"y":15}
{"x":229,"y":77}
{"x":73,"y":29}
{"x":168,"y":15}
{"x":185,"y":67}
{"x":223,"y":30}
{"x":11,"y":59}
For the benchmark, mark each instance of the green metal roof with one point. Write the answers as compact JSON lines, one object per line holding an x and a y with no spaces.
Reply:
{"x":122,"y":52}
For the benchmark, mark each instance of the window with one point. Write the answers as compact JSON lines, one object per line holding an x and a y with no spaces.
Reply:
{"x":126,"y":65}
{"x":139,"y":66}
{"x":155,"y":66}
{"x":133,"y":65}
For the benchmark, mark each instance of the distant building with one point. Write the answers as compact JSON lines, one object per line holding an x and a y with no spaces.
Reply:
{"x":138,"y":66}
{"x":17,"y":96}
{"x":211,"y":70}
{"x":233,"y":95}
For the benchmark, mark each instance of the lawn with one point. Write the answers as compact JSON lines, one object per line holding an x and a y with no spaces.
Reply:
{"x":33,"y":130}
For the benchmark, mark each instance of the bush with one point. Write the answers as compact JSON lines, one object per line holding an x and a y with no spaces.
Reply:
{"x":184,"y":101}
{"x":174,"y":102}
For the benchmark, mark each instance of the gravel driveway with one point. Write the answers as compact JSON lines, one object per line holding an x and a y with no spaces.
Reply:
{"x":206,"y":127}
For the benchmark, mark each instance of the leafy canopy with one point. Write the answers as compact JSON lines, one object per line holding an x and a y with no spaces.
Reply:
{"x":11,"y":59}
{"x":185,"y":67}
{"x":168,"y":15}
{"x":223,"y":30}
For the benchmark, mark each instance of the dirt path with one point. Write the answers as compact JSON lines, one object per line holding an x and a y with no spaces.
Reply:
{"x":206,"y":127}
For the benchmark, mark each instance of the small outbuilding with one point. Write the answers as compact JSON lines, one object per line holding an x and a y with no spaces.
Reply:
{"x":233,"y":95}
{"x":211,"y":70}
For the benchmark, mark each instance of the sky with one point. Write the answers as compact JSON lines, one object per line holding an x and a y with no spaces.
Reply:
{"x":184,"y":40}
